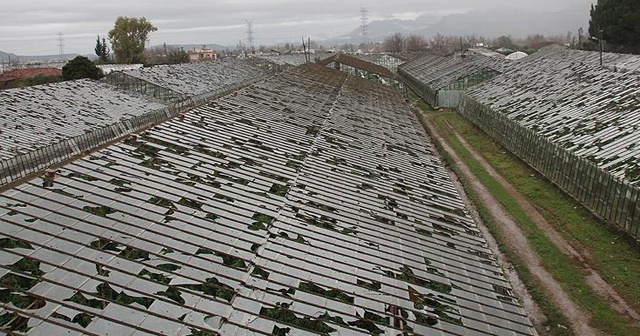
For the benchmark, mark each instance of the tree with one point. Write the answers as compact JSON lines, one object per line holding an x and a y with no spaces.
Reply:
{"x":535,"y":42}
{"x":473,"y":41}
{"x":177,"y":56}
{"x":618,"y":23}
{"x":504,"y":41}
{"x":167,"y":54}
{"x":394,"y":43}
{"x":438,"y":42}
{"x":241,"y":48}
{"x":128,"y":38}
{"x":80,"y":67}
{"x":102,"y":50}
{"x":416,"y":43}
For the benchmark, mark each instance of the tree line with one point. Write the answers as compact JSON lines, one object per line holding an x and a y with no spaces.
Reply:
{"x":445,"y":44}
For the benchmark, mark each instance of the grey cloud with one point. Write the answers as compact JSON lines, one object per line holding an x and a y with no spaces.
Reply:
{"x":29,"y":27}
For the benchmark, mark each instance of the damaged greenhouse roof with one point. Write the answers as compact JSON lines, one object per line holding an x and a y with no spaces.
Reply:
{"x":565,"y":96}
{"x":194,"y":79}
{"x":311,"y":203}
{"x":388,"y":61}
{"x":562,"y":54}
{"x":438,"y":72}
{"x":42,"y":115}
{"x":359,"y":64}
{"x":291,"y":60}
{"x":46,"y":125}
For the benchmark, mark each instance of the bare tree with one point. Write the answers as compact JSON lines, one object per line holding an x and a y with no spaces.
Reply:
{"x":240,"y":47}
{"x":394,"y":43}
{"x":558,"y":39}
{"x":438,"y":42}
{"x":416,"y":43}
{"x":474,"y":40}
{"x":166,"y":54}
{"x":504,"y":42}
{"x":535,"y":41}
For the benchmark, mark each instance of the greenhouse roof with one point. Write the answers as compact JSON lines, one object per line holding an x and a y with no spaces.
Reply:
{"x":439,"y":72}
{"x":388,"y":61}
{"x":359,"y":64}
{"x":293,"y":60}
{"x":311,"y":202}
{"x":193,"y":79}
{"x":43,"y":115}
{"x":567,"y":97}
{"x":517,"y":55}
{"x":612,"y":61}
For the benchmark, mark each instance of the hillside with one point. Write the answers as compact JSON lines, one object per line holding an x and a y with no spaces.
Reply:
{"x":490,"y":24}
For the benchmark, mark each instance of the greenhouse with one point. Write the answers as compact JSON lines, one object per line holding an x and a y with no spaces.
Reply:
{"x":440,"y":80}
{"x":193,"y":82}
{"x":310,"y":202}
{"x":576,"y":122}
{"x":47,"y":124}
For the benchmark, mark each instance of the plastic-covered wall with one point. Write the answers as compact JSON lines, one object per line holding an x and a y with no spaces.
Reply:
{"x":613,"y":199}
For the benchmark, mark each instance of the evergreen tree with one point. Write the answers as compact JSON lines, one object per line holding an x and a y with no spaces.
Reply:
{"x":80,"y":67}
{"x":619,"y":21}
{"x":102,"y":49}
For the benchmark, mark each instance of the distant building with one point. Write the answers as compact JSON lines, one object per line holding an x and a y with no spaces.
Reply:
{"x":7,"y":77}
{"x":202,"y":55}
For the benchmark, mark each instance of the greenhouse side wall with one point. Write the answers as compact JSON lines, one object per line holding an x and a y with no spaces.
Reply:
{"x":424,"y":91}
{"x":613,"y":199}
{"x":449,"y":98}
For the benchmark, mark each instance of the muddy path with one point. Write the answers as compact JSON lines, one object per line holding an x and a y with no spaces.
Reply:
{"x":516,"y":241}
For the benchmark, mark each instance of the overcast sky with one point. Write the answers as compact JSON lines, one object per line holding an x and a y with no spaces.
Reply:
{"x":30,"y":27}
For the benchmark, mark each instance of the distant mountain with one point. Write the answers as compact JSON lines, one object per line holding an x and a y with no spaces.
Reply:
{"x":6,"y":57}
{"x":48,"y":58}
{"x":510,"y":22}
{"x":490,"y":24}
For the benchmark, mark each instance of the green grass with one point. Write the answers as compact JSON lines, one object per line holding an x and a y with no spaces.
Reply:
{"x":616,"y":262}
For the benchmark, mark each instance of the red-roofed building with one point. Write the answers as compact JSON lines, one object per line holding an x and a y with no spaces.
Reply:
{"x":17,"y":74}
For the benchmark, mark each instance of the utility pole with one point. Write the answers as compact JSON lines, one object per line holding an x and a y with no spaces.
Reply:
{"x":304,"y":48}
{"x":580,"y":33}
{"x":249,"y":35}
{"x":61,"y":43}
{"x":600,"y":32}
{"x":364,"y":24}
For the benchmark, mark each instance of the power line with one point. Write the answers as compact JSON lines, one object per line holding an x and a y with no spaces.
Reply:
{"x":250,"y":35}
{"x":364,"y":26}
{"x":61,"y":43}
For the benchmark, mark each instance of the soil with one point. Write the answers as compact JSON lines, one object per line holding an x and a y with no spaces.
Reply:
{"x":517,"y":242}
